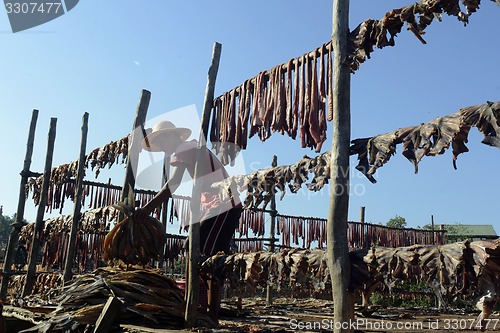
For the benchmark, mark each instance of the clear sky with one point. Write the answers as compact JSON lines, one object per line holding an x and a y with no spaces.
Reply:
{"x":98,"y":57}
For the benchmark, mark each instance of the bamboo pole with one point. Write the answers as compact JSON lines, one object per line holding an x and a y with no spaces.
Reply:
{"x":18,"y":223}
{"x":164,"y":209}
{"x":269,"y":290}
{"x":433,"y":231}
{"x":362,"y":220}
{"x":442,"y":234}
{"x":108,"y":192}
{"x":39,"y":223}
{"x":337,"y":242}
{"x":70,"y":253}
{"x":134,"y":144}
{"x":192,"y":279}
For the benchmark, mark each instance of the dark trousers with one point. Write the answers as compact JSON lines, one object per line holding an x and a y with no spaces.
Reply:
{"x":217,"y":231}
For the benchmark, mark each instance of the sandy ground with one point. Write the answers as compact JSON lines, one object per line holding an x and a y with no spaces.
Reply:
{"x":313,"y":315}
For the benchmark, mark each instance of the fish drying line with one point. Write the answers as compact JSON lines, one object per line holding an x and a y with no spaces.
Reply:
{"x":62,"y":177}
{"x":427,"y":139}
{"x":294,"y":230}
{"x":296,"y":97}
{"x":270,"y":93}
{"x":463,"y":268}
{"x":94,"y":226}
{"x":305,"y":231}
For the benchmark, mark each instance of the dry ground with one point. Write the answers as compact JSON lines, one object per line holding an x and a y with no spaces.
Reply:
{"x":312,"y":315}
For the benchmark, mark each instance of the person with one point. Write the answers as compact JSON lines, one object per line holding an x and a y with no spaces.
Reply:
{"x":222,"y":211}
{"x":21,"y":256}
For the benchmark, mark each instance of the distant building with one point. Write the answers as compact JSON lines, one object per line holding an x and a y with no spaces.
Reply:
{"x":472,"y":232}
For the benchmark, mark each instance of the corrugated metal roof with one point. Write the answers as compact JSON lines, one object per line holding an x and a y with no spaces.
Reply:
{"x":470,"y":229}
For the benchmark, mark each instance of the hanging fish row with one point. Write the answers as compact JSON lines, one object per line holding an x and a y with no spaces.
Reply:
{"x":244,"y":246}
{"x":180,"y":208}
{"x":461,"y":268}
{"x":55,"y":237}
{"x":374,"y":33}
{"x":303,"y":231}
{"x":292,"y":98}
{"x":262,"y":185}
{"x":97,"y":195}
{"x":252,"y":220}
{"x":44,"y":282}
{"x":429,"y":139}
{"x":94,"y":195}
{"x":375,"y":235}
{"x":98,"y":159}
{"x":174,"y":249}
{"x":307,"y":229}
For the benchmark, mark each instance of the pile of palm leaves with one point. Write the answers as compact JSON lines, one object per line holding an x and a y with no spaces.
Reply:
{"x":148,"y":298}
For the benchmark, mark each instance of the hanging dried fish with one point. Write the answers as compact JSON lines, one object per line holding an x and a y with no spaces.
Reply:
{"x":279,"y":100}
{"x":429,"y":139}
{"x":380,"y":33}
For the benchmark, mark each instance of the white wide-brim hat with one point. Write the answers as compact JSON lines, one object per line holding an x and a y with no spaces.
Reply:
{"x":158,"y":136}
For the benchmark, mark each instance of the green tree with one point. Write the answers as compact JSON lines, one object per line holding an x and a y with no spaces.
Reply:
{"x":5,"y":225}
{"x":454,"y":232}
{"x":396,"y":222}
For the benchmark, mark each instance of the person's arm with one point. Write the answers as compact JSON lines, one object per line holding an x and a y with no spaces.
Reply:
{"x":166,"y":192}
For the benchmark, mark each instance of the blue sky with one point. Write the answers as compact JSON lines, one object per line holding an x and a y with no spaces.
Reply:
{"x":99,"y":56}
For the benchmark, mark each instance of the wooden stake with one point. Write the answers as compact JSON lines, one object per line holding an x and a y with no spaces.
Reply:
{"x":164,"y":207}
{"x":108,"y":315}
{"x":337,"y":242}
{"x":193,"y":278}
{"x":70,"y":254}
{"x":269,"y":291}
{"x":134,"y":144}
{"x":433,"y":232}
{"x":18,"y":223}
{"x":39,"y":223}
{"x":362,"y":218}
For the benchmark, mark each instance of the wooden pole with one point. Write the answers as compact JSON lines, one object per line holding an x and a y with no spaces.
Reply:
{"x":108,"y":315}
{"x":70,"y":253}
{"x":362,"y":220}
{"x":337,"y":242}
{"x":108,"y":192}
{"x":164,"y":212}
{"x":134,"y":144}
{"x":18,"y":223}
{"x":192,"y":279}
{"x":269,"y":291}
{"x":39,"y":223}
{"x":442,"y":234}
{"x":433,"y":231}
